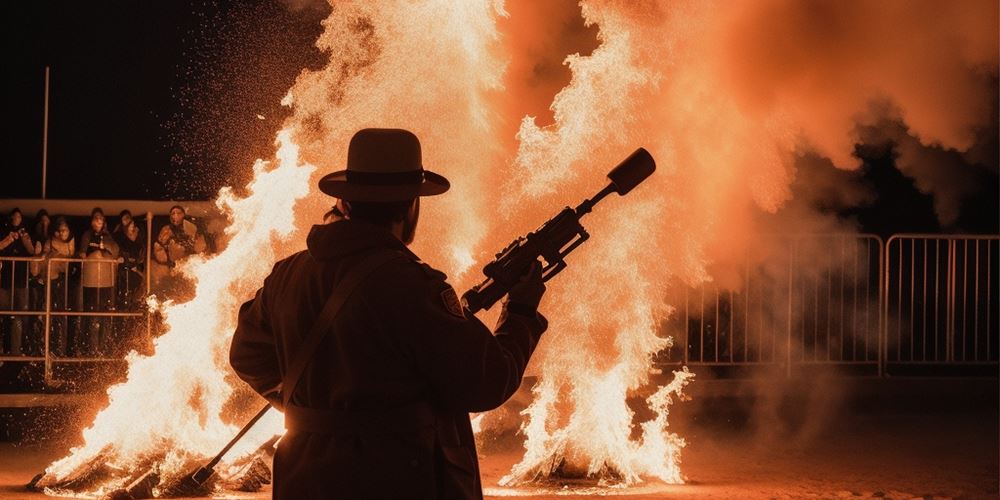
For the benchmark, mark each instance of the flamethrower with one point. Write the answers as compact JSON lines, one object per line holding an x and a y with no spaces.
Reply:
{"x":554,"y":240}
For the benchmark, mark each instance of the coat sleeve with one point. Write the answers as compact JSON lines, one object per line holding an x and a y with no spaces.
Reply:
{"x":469,"y":368}
{"x":253,"y":354}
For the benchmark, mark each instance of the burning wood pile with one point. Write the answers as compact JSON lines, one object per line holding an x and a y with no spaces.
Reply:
{"x":149,"y":478}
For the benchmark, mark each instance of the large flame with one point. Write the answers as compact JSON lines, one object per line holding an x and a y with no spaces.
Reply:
{"x":692,"y":81}
{"x":173,"y":401}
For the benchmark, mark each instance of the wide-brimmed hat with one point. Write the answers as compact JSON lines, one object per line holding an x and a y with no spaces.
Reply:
{"x":383,"y":164}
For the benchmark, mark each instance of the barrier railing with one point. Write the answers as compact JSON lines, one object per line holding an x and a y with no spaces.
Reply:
{"x":942,"y":299}
{"x":87,"y":304}
{"x":813,"y":299}
{"x":917,"y":300}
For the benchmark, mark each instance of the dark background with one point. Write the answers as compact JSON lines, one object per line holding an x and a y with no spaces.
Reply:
{"x":148,"y":100}
{"x":163,"y":100}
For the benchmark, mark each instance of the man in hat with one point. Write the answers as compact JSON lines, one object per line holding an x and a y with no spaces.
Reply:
{"x":368,"y":351}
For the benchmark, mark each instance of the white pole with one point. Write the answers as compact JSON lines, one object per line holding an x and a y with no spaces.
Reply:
{"x":45,"y":134}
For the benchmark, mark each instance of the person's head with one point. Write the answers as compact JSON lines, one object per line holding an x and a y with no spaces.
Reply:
{"x":398,"y":217}
{"x":125,"y":218}
{"x":42,"y":218}
{"x":177,"y":214}
{"x":132,"y":231}
{"x":62,"y":231}
{"x":97,"y":219}
{"x":16,"y":217}
{"x":384,"y":181}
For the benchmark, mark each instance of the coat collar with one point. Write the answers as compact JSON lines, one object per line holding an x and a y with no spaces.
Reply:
{"x":342,"y":238}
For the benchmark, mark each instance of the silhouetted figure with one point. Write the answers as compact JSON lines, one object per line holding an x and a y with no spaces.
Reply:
{"x":388,"y":379}
{"x":15,"y":241}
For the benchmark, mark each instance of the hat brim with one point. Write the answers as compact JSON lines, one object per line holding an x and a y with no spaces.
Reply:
{"x":336,"y":185}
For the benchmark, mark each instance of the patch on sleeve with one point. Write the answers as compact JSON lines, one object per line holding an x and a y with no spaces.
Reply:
{"x":451,"y":302}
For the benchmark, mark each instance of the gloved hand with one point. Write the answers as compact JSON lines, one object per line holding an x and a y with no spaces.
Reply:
{"x":528,"y":292}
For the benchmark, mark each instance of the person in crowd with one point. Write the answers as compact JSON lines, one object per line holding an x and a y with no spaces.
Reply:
{"x":61,"y":244}
{"x":15,"y":242}
{"x":43,"y":224}
{"x":98,"y":279}
{"x":131,"y":275}
{"x":175,"y":242}
{"x":131,"y":289}
{"x":125,"y":218}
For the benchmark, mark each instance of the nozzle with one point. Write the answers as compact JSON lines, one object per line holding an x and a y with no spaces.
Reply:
{"x":629,"y":173}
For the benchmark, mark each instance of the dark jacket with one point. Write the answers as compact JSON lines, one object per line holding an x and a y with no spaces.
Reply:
{"x":395,"y":353}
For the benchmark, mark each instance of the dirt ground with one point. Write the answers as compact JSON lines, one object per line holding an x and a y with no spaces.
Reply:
{"x":931,"y":449}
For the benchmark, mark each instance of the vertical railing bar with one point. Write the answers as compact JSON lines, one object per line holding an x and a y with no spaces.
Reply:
{"x":746,"y":312}
{"x":854,"y":301}
{"x":718,"y":331}
{"x":788,"y":337}
{"x":899,"y":307}
{"x":843,"y":272}
{"x":937,"y":299}
{"x":701,"y":324}
{"x":965,"y":298}
{"x":913,"y":265}
{"x":950,"y":311}
{"x":148,"y":280}
{"x":48,"y":323}
{"x":732,"y":326}
{"x":829,"y":301}
{"x":687,"y":323}
{"x":975,"y":315}
{"x":881,"y":264}
{"x":923,"y":305}
{"x":989,"y":294}
{"x":815,"y":345}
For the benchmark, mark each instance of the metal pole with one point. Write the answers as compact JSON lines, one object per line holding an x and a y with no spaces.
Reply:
{"x":45,"y":135}
{"x":149,"y":272}
{"x":48,"y":322}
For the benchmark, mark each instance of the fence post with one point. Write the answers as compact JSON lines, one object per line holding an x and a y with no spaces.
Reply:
{"x":48,"y":322}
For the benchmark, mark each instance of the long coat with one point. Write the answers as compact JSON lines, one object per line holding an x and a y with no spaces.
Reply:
{"x":382,"y":409}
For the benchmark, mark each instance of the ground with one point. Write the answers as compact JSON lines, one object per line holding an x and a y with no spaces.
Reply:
{"x":941,"y":447}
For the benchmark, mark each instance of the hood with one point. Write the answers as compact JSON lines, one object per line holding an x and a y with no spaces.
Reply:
{"x":342,"y":238}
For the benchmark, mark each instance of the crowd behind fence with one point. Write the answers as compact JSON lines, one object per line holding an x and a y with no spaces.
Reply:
{"x":70,"y":297}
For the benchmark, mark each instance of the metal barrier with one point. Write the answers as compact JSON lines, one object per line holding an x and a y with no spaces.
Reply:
{"x":942,"y":299}
{"x":70,"y":298}
{"x":812,"y":299}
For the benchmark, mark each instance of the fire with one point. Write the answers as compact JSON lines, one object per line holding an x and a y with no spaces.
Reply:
{"x":171,"y":402}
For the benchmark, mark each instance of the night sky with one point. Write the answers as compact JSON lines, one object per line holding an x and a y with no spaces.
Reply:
{"x":160,"y":100}
{"x":148,"y":100}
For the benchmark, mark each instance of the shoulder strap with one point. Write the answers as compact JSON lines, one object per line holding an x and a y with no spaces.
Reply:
{"x":341,"y":292}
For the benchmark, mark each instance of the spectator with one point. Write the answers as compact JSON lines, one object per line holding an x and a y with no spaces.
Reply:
{"x":124,"y":219}
{"x":36,"y":283}
{"x":41,"y":233}
{"x":132,"y":273}
{"x":15,"y":242}
{"x":98,"y":283}
{"x":176,"y":241}
{"x":180,"y":237}
{"x":62,"y":245}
